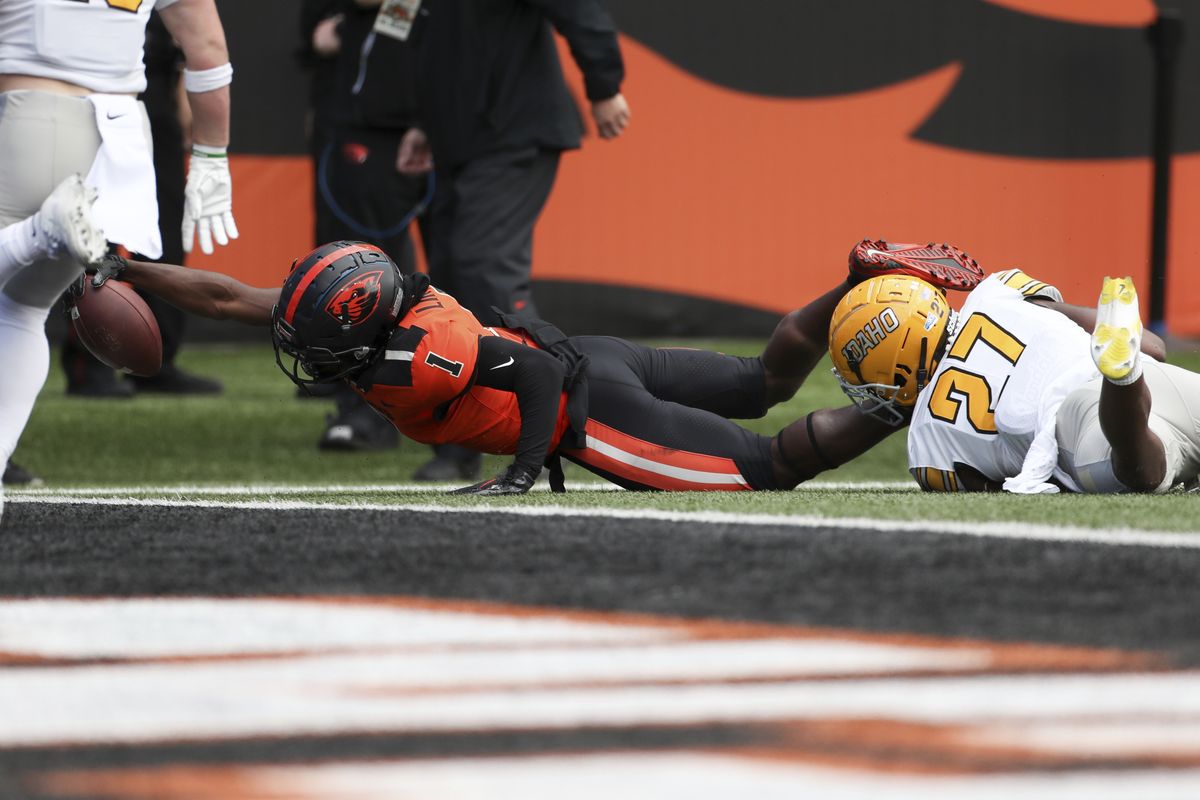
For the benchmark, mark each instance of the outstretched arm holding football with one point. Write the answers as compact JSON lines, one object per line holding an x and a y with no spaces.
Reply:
{"x":208,"y":294}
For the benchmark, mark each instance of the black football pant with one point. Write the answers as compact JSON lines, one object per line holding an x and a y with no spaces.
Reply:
{"x":659,"y":418}
{"x":481,"y":226}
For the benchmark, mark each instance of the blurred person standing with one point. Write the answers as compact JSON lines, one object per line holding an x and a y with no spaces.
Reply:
{"x":361,"y":193}
{"x":320,"y":44}
{"x":496,"y":116}
{"x":70,"y":73}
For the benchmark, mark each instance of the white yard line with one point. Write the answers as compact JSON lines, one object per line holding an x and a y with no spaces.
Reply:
{"x":1003,"y":530}
{"x":255,"y":490}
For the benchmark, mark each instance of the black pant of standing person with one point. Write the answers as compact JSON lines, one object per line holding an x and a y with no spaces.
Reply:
{"x":481,"y":226}
{"x":368,"y":104}
{"x":496,"y":115}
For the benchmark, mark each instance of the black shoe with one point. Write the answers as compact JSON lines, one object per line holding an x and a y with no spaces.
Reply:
{"x":87,"y":377}
{"x":172,"y":380}
{"x":16,"y":476}
{"x":360,"y":429}
{"x":100,"y":383}
{"x":457,"y":464}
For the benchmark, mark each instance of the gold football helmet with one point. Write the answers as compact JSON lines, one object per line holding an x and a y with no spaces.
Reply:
{"x":885,"y":339}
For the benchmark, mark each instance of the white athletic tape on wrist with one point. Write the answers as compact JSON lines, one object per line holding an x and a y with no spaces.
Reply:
{"x":206,"y":80}
{"x":208,"y":151}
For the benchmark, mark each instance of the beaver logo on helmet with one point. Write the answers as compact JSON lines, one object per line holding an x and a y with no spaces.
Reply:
{"x":336,"y":312}
{"x":356,"y":301}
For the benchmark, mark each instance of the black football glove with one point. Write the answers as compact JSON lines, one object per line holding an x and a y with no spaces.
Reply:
{"x":514,"y":481}
{"x":111,"y":266}
{"x":71,"y":296}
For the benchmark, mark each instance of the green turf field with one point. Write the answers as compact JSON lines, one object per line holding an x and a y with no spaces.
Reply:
{"x":258,"y":433}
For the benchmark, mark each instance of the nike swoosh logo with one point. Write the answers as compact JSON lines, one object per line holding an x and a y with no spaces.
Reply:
{"x":506,"y":363}
{"x":871,"y":252}
{"x":110,"y":115}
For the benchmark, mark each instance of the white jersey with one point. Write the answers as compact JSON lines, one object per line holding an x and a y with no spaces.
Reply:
{"x":992,"y":401}
{"x":96,"y":44}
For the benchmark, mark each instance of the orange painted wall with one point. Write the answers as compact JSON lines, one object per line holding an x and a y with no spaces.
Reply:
{"x":1091,"y":12}
{"x":757,"y":200}
{"x":272,"y":201}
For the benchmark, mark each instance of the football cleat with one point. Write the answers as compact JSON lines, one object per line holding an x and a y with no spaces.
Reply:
{"x":942,"y":265}
{"x":65,"y":219}
{"x":1117,"y":339}
{"x":16,"y":476}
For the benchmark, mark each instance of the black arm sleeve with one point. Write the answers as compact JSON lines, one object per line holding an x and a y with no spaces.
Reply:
{"x":536,"y":377}
{"x":592,"y":38}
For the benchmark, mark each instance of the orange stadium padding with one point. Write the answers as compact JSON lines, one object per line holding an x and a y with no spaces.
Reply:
{"x":1127,"y":13}
{"x":757,"y":200}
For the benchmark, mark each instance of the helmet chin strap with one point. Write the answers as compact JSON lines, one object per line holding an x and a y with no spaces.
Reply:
{"x":939,"y":349}
{"x":922,"y":369}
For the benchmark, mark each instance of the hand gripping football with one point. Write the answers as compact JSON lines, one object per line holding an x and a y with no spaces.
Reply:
{"x":117,"y":326}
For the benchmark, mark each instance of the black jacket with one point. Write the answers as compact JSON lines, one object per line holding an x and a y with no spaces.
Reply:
{"x":376,"y":83}
{"x":490,"y":77}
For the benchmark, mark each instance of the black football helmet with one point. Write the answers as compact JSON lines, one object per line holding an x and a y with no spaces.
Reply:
{"x":337,"y":309}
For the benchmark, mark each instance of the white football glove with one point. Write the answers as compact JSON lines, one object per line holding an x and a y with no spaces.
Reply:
{"x":208,"y":203}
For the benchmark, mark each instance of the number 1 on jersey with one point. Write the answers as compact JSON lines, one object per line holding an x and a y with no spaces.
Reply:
{"x":455,"y":368}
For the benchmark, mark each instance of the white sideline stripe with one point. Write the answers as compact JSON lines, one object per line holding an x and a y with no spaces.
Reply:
{"x":681,"y":473}
{"x":268,"y":489}
{"x":424,"y":488}
{"x":1001,"y":530}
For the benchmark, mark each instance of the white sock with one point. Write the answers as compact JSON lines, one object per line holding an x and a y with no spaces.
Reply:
{"x":24,"y":364}
{"x":1134,"y":373}
{"x":21,"y":244}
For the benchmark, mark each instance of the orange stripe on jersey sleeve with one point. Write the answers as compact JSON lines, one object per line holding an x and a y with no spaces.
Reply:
{"x":315,"y":270}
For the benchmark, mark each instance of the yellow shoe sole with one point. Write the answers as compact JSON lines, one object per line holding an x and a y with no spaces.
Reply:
{"x":1117,"y":338}
{"x":1118,"y":289}
{"x":1110,"y":347}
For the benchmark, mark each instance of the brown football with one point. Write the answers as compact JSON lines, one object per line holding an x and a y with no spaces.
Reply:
{"x":117,"y":326}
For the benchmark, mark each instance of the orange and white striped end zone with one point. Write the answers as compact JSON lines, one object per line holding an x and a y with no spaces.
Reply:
{"x":832,"y":713}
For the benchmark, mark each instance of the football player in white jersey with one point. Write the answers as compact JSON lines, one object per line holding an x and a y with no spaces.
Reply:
{"x":71,"y":126}
{"x":1007,"y":393}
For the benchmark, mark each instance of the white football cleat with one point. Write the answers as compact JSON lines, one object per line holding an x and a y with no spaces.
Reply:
{"x":65,"y":219}
{"x":1117,"y":339}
